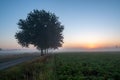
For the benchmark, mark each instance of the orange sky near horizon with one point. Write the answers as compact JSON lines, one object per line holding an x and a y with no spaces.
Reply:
{"x":73,"y":43}
{"x":90,"y":44}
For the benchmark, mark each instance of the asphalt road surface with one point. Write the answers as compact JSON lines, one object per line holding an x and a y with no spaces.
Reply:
{"x":15,"y":62}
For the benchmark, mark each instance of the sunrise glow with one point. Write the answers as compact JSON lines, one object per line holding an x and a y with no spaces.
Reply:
{"x":88,"y":45}
{"x":91,"y":46}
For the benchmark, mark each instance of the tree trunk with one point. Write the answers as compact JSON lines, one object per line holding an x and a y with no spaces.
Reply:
{"x":47,"y":51}
{"x":41,"y":52}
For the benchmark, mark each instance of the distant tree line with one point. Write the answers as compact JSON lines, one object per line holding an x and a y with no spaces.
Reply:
{"x":41,"y":29}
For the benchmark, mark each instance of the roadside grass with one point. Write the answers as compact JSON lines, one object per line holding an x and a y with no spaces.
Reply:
{"x":38,"y":69}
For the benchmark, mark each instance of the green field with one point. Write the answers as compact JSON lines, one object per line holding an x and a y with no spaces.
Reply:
{"x":88,"y":66}
{"x":68,"y":66}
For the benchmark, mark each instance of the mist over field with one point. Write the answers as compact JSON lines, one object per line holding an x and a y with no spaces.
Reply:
{"x":88,"y":50}
{"x":21,"y":51}
{"x":17,"y":51}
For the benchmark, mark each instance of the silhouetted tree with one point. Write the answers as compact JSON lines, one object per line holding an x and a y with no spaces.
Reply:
{"x":41,"y":29}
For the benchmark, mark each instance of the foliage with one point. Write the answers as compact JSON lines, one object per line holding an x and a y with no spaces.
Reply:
{"x":41,"y":29}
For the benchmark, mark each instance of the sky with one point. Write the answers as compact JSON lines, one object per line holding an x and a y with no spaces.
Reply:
{"x":89,"y":24}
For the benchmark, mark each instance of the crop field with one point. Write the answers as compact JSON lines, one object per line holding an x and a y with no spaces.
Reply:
{"x":67,"y":66}
{"x":88,"y":66}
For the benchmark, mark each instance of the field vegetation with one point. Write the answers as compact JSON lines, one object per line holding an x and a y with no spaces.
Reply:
{"x":88,"y":66}
{"x":67,"y":66}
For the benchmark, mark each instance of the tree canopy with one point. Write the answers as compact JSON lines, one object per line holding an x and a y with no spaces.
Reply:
{"x":41,"y":29}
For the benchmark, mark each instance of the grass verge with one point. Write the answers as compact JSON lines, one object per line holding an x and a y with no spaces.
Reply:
{"x":38,"y":69}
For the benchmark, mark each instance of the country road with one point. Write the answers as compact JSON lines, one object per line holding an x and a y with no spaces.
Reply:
{"x":11,"y":63}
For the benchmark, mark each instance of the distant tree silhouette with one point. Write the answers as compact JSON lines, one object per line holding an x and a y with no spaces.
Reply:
{"x":41,"y":29}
